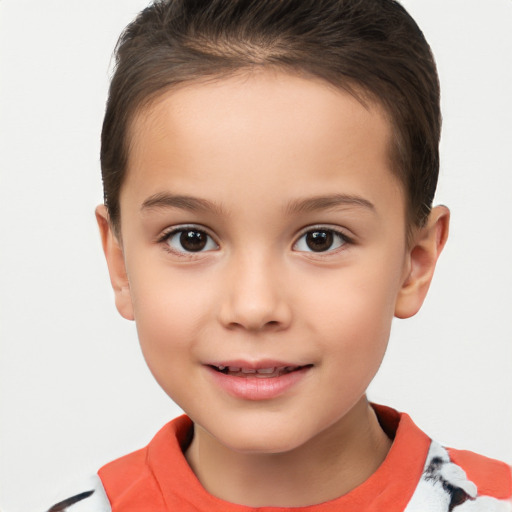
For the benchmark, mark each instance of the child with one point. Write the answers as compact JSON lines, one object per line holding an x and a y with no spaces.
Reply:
{"x":269,"y":169}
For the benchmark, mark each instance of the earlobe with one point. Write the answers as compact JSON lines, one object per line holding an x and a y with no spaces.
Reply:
{"x":116,"y":265}
{"x":422,"y":258}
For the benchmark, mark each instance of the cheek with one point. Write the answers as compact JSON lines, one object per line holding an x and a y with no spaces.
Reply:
{"x":352,"y":314}
{"x":170,"y":309}
{"x":167,"y":322}
{"x":360,"y":299}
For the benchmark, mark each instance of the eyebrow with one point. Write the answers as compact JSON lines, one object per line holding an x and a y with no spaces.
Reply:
{"x":193,"y":204}
{"x":328,"y":202}
{"x":310,"y":204}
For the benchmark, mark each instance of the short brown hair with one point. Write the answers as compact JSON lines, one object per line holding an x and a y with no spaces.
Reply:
{"x":370,"y":46}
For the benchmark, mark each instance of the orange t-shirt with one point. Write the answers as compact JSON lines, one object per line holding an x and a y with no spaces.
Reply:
{"x":418,"y":475}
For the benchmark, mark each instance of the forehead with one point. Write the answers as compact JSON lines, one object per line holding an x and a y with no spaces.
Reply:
{"x":262,"y":132}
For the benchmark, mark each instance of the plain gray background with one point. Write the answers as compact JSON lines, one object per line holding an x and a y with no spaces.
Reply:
{"x":75,"y":392}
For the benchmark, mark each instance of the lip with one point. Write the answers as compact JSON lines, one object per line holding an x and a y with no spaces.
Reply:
{"x":251,"y":386}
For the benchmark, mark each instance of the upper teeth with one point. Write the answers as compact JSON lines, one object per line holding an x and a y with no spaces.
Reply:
{"x":266,"y":370}
{"x":236,"y":369}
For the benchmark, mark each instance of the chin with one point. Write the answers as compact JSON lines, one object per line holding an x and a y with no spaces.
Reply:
{"x":262,"y":447}
{"x":263,"y":441}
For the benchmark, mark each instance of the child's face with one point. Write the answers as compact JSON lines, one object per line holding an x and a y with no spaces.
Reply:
{"x":262,"y":227}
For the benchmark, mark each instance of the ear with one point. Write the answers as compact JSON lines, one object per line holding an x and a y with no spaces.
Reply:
{"x":428,"y":242}
{"x":115,"y":261}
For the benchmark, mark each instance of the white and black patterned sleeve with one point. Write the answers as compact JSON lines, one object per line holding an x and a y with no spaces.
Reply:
{"x":91,"y":499}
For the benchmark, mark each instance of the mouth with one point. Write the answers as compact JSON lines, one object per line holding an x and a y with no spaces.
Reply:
{"x":258,"y":373}
{"x":264,"y":380}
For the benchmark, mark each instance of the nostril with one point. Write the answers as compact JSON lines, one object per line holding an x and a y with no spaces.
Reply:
{"x":253,"y":312}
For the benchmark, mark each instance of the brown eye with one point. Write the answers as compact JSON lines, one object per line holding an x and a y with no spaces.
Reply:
{"x":320,"y":240}
{"x":190,"y":240}
{"x":193,"y":240}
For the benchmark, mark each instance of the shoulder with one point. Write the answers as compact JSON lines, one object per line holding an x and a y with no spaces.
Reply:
{"x":462,"y":481}
{"x":132,"y":482}
{"x":87,"y":495}
{"x":444,"y":479}
{"x":492,"y":477}
{"x":125,"y":478}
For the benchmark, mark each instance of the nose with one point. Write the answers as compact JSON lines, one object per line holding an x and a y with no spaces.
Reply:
{"x":254,"y":296}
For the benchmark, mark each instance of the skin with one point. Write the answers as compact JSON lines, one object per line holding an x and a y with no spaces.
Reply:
{"x":254,"y":146}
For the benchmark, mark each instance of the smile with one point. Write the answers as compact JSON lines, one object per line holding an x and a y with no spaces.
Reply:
{"x":264,"y":381}
{"x":261,"y":373}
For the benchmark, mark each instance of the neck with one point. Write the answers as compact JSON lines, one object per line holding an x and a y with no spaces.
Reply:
{"x":332,"y":464}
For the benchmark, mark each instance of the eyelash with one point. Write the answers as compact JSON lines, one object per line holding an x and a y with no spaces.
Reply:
{"x":170,"y":233}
